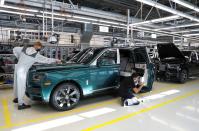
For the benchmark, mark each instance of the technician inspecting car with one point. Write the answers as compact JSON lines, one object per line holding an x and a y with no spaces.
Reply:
{"x":127,"y":86}
{"x":26,"y":56}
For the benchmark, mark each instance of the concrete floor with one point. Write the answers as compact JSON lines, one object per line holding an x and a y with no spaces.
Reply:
{"x":169,"y":107}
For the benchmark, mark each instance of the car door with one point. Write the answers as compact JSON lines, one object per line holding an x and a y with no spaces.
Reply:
{"x":105,"y":74}
{"x":144,"y":66}
{"x":141,"y":59}
{"x":193,"y":64}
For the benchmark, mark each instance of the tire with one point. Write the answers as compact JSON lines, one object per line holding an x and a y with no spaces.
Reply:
{"x":183,"y":76}
{"x":65,"y":97}
{"x":1,"y":71}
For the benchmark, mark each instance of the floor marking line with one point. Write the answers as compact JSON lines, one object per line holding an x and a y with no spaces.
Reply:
{"x":88,"y":107}
{"x":6,"y":113}
{"x":74,"y":111}
{"x":122,"y":118}
{"x":97,"y":112}
{"x":160,"y":95}
{"x":51,"y":124}
{"x":81,"y":109}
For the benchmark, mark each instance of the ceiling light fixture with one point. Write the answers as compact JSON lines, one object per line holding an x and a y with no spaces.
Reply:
{"x":185,"y":31}
{"x":196,"y":34}
{"x":156,"y":20}
{"x":186,"y":4}
{"x":2,"y":2}
{"x":178,"y":26}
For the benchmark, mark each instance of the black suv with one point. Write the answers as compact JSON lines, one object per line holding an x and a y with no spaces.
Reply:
{"x":172,"y":64}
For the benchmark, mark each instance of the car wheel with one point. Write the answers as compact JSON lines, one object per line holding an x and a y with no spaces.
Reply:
{"x":65,"y":97}
{"x":183,"y":76}
{"x":1,"y":71}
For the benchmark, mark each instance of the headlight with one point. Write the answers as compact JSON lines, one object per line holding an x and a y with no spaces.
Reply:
{"x":47,"y":83}
{"x":168,"y":66}
{"x":173,"y":66}
{"x":37,"y":77}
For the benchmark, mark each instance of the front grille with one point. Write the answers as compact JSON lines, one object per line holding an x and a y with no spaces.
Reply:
{"x":35,"y":90}
{"x":172,"y":70}
{"x":162,"y":67}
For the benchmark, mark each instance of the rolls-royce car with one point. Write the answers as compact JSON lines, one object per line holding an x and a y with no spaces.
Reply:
{"x":91,"y":71}
{"x":175,"y":64}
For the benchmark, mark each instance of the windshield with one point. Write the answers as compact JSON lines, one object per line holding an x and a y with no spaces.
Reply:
{"x":186,"y":53}
{"x":86,"y":55}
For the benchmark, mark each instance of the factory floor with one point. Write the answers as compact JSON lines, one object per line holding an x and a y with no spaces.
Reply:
{"x":169,"y":107}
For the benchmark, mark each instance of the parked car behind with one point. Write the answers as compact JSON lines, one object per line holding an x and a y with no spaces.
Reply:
{"x":92,"y":71}
{"x":174,"y":64}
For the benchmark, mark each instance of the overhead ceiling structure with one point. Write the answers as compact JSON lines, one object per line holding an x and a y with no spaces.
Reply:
{"x":176,"y":13}
{"x":170,"y":17}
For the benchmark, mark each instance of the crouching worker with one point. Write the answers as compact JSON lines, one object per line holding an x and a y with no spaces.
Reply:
{"x":144,"y":84}
{"x":139,"y":85}
{"x":126,"y":90}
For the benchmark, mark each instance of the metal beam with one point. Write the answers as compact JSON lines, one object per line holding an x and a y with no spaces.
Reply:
{"x":156,"y":20}
{"x":168,"y":9}
{"x":186,"y":31}
{"x":178,"y":26}
{"x":186,"y":4}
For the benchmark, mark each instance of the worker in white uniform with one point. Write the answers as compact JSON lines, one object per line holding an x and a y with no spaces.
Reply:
{"x":26,"y":56}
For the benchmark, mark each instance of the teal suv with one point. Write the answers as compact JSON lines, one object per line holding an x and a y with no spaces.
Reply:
{"x":91,"y":71}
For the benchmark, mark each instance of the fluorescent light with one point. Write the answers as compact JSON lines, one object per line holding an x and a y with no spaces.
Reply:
{"x":156,"y":20}
{"x":153,"y":36}
{"x":178,"y":26}
{"x":196,"y":34}
{"x":186,"y":4}
{"x":18,"y":13}
{"x":59,"y":14}
{"x":85,"y":18}
{"x":109,"y":22}
{"x":184,"y":31}
{"x":50,"y":13}
{"x":2,"y":2}
{"x":57,"y":18}
{"x":16,"y":8}
{"x":80,"y":21}
{"x":168,"y":9}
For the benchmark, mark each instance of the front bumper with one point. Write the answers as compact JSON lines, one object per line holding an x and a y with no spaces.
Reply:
{"x":34,"y":93}
{"x":170,"y":74}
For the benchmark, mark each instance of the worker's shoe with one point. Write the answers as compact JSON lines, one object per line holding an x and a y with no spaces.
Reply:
{"x":15,"y":100}
{"x":23,"y":106}
{"x":131,"y":102}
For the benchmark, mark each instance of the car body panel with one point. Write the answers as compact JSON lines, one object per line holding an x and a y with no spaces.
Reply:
{"x":166,"y":50}
{"x":90,"y":78}
{"x":173,"y":62}
{"x":193,"y":61}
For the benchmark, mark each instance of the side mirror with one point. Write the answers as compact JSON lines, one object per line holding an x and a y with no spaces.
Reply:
{"x":187,"y":59}
{"x":68,"y":58}
{"x":193,"y":60}
{"x":99,"y":62}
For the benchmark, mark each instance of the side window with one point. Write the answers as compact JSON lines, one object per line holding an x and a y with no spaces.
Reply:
{"x":140,"y":57}
{"x":108,"y":58}
{"x":193,"y":57}
{"x":198,"y":55}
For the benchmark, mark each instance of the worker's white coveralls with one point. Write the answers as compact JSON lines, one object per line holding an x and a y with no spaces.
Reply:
{"x":26,"y":58}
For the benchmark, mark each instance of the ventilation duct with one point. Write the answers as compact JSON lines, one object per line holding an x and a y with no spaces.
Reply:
{"x":86,"y":35}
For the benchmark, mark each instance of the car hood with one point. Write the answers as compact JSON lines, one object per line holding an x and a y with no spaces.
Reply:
{"x":57,"y":67}
{"x":169,"y":50}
